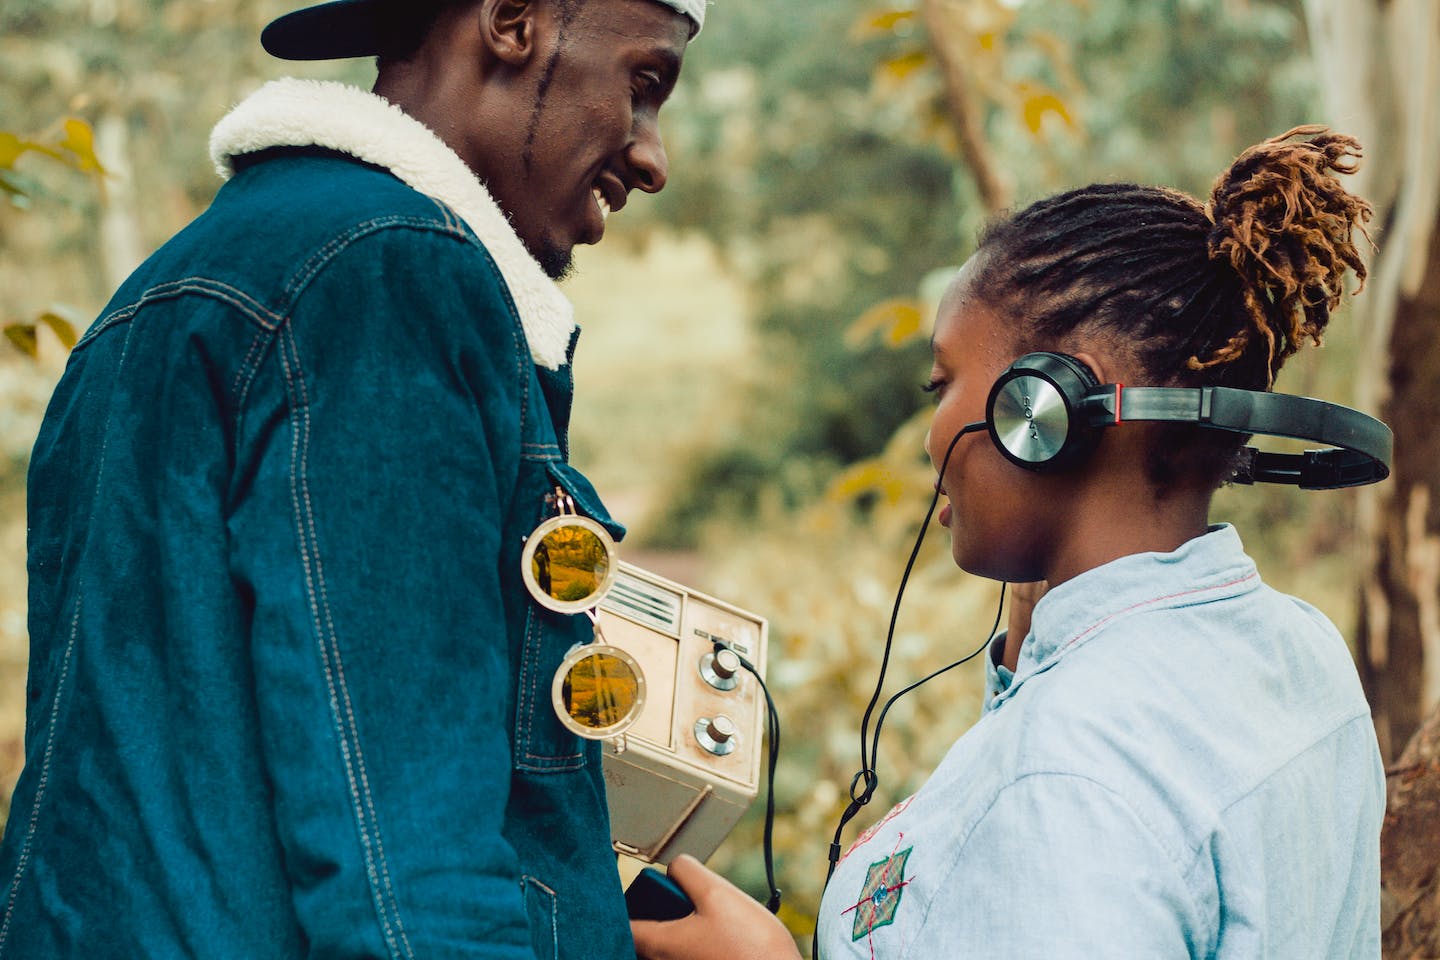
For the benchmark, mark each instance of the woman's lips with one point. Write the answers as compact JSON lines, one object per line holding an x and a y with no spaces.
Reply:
{"x":945,"y":515}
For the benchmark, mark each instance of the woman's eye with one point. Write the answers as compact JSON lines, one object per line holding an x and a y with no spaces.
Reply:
{"x":933,"y":387}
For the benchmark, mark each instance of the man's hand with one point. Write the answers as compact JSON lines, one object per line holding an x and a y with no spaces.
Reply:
{"x":727,"y":923}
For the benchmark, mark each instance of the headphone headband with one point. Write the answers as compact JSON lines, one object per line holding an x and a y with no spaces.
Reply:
{"x":1047,"y":409}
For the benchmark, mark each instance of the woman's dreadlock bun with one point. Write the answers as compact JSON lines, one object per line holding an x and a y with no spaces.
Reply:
{"x":1284,"y":224}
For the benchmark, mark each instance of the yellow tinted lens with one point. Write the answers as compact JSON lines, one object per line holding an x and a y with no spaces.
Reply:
{"x":570,"y":563}
{"x":599,"y":691}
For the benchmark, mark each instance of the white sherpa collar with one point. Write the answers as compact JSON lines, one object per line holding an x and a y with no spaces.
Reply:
{"x":304,"y":113}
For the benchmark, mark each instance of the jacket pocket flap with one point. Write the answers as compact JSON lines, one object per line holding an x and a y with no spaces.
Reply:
{"x":587,"y":501}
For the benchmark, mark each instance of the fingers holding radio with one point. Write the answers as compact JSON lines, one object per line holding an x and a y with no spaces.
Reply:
{"x":728,"y":924}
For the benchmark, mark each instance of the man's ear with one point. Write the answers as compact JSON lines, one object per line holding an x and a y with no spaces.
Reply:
{"x":507,"y":29}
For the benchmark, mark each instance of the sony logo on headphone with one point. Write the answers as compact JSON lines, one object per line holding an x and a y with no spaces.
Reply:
{"x":1030,"y":416}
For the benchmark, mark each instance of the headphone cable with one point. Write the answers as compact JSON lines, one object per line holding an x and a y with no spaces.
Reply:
{"x":772,"y":723}
{"x":867,"y":774}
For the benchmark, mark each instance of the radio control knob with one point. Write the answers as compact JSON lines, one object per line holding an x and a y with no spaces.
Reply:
{"x":726,"y":664}
{"x":716,"y":734}
{"x":720,"y":728}
{"x":721,"y":670}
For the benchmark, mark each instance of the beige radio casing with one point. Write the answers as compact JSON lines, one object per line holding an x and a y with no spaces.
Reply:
{"x":667,"y":794}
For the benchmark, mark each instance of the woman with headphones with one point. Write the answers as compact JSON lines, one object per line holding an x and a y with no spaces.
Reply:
{"x":1174,"y":759}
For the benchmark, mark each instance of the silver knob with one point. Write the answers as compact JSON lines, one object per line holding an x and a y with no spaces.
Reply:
{"x":720,"y":728}
{"x":726,"y":664}
{"x":721,"y":670}
{"x":716,"y":734}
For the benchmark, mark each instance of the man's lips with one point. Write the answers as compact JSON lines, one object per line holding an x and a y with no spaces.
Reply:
{"x":610,"y":194}
{"x":607,"y":195}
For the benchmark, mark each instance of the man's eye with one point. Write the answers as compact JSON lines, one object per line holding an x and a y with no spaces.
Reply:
{"x":646,"y":86}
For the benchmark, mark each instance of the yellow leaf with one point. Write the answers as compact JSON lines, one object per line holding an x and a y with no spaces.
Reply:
{"x":79,"y":142}
{"x":1037,"y":105}
{"x":886,"y":21}
{"x":22,"y":335}
{"x":987,"y":40}
{"x":11,"y":149}
{"x":896,"y":69}
{"x":61,"y":327}
{"x":867,"y":476}
{"x":897,"y":321}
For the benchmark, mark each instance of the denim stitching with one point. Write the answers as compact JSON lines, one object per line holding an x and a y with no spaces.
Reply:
{"x":34,"y":819}
{"x":24,"y":859}
{"x":245,"y":373}
{"x":526,"y":707}
{"x":334,"y":640}
{"x":527,"y":880}
{"x":1153,"y":600}
{"x":451,"y":220}
{"x":322,"y":257}
{"x":241,"y":301}
{"x":329,"y":647}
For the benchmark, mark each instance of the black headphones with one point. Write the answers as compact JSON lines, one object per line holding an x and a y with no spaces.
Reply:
{"x":1046,"y":412}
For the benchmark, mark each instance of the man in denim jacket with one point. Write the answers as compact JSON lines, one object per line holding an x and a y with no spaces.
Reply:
{"x":288,"y":695}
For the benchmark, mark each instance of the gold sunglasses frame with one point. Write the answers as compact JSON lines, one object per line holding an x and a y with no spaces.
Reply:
{"x":557,"y":686}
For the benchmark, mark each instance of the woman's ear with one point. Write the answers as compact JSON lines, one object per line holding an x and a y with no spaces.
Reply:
{"x":1104,"y":371}
{"x":507,"y":30}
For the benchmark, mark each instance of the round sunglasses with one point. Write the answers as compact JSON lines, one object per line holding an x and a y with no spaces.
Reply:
{"x":569,"y":564}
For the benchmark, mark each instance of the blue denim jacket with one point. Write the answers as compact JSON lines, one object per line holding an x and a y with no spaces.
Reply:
{"x":288,"y":696}
{"x":1182,"y":765}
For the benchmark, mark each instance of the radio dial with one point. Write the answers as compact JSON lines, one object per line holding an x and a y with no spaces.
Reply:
{"x":721,"y":670}
{"x":716,"y":734}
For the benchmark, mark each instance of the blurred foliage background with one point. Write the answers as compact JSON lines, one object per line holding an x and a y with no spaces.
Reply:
{"x":755,"y":336}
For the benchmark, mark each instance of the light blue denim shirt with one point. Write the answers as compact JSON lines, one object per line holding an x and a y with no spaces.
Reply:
{"x":1182,"y":765}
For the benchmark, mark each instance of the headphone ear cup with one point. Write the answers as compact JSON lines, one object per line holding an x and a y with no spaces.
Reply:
{"x":1033,"y":412}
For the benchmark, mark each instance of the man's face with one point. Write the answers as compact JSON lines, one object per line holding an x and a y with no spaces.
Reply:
{"x":587,"y":128}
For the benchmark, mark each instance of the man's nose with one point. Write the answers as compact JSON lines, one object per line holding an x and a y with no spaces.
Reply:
{"x":646,"y":156}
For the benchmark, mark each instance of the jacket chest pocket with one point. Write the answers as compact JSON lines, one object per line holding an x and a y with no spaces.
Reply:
{"x":542,"y":743}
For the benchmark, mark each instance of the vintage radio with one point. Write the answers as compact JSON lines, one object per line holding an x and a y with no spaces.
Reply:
{"x":692,"y":761}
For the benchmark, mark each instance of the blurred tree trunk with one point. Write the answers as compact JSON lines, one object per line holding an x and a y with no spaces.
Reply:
{"x":1410,"y":850}
{"x":964,"y":109}
{"x":1379,"y":63}
{"x":121,"y":246}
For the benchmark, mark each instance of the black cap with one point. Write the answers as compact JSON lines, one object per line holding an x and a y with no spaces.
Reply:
{"x":328,"y":31}
{"x":356,"y":28}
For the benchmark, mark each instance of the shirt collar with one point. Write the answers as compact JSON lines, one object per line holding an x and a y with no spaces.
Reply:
{"x":1210,"y":567}
{"x":336,"y":116}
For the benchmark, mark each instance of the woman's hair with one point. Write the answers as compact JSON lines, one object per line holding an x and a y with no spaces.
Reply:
{"x":1214,"y":294}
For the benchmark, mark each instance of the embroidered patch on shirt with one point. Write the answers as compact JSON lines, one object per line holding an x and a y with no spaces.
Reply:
{"x":874,"y":828}
{"x":880,"y":896}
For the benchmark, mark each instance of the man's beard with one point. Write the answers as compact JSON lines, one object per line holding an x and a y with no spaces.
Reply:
{"x":556,"y":263}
